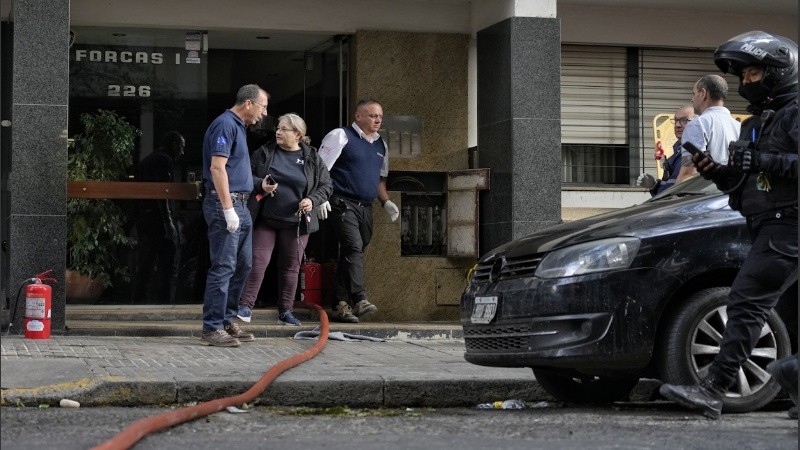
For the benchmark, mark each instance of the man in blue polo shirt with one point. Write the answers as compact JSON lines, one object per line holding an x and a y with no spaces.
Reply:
{"x":228,"y":181}
{"x":358,"y":161}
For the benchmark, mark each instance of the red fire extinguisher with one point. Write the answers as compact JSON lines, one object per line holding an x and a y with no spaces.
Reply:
{"x":311,"y":282}
{"x":38,"y":305}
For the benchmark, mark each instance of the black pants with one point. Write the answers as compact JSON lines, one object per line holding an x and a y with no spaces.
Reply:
{"x":155,"y":251}
{"x":755,"y":291}
{"x":352,"y":222}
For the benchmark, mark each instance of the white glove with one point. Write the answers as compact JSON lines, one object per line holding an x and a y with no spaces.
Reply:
{"x":322,"y":210}
{"x":391,"y":210}
{"x":646,"y":181}
{"x":232,"y":219}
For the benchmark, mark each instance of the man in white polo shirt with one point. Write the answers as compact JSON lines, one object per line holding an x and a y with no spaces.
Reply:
{"x":714,"y":129}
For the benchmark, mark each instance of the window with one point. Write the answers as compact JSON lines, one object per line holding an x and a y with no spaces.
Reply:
{"x":609,"y":97}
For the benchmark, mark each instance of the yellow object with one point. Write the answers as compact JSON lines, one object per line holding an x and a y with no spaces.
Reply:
{"x":664,"y":133}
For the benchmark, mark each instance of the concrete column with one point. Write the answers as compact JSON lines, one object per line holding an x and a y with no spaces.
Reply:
{"x":38,"y":172}
{"x":519,"y":127}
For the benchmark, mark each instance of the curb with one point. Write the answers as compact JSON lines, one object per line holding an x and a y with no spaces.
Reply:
{"x":369,"y":393}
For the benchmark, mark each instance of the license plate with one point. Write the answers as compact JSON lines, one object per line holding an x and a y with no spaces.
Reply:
{"x":484,"y":310}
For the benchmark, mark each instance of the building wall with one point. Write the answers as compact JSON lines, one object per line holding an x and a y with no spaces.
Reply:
{"x":423,"y":75}
{"x":36,"y":184}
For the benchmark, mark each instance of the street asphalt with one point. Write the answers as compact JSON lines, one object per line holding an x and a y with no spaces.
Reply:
{"x":406,"y":368}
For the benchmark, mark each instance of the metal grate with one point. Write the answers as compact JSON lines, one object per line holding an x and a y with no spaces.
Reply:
{"x":506,"y":337}
{"x":497,"y":343}
{"x":512,"y":268}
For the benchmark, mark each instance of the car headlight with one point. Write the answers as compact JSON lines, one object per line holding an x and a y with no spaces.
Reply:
{"x":596,"y":256}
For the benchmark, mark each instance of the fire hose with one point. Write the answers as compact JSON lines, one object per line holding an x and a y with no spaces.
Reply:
{"x":135,"y":432}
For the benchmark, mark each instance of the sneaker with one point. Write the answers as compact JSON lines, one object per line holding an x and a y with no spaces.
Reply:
{"x":288,"y":318}
{"x":243,"y":336}
{"x":364,"y":307}
{"x":219,"y":338}
{"x":343,"y":313}
{"x":245,"y":314}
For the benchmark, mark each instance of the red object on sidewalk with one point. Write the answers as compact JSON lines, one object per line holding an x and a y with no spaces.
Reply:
{"x":311,"y":282}
{"x":38,"y":304}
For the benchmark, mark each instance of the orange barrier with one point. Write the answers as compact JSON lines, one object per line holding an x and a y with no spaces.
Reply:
{"x":128,"y":437}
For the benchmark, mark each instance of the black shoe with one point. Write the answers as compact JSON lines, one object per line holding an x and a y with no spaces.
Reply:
{"x":705,"y":396}
{"x":784,"y":371}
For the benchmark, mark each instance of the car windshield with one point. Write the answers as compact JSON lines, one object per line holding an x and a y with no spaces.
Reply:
{"x":696,"y":185}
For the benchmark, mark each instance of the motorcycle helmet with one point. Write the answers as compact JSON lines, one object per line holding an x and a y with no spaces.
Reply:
{"x":776,"y":54}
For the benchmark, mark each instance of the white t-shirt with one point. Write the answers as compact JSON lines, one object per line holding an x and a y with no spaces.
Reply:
{"x":712,"y":131}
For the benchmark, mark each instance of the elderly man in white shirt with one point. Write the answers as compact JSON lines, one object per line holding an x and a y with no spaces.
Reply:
{"x":714,"y":129}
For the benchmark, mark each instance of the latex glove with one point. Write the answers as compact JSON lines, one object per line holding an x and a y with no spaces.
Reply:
{"x":744,"y":156}
{"x":231,"y":219}
{"x":391,"y":210}
{"x":646,"y":181}
{"x":322,"y":210}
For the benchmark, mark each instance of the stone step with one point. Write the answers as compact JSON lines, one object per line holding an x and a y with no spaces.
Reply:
{"x":186,"y":320}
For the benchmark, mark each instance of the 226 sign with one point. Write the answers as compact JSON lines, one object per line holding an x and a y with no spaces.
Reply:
{"x":115,"y":90}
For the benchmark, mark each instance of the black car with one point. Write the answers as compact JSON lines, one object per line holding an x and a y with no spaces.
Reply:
{"x":595,"y":304}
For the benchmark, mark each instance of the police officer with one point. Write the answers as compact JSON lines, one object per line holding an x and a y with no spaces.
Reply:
{"x":761,"y":178}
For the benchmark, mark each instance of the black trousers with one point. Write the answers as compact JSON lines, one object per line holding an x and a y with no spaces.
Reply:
{"x":352,"y":222}
{"x":755,"y":291}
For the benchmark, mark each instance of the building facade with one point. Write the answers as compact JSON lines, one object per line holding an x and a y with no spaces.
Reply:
{"x":555,"y":98}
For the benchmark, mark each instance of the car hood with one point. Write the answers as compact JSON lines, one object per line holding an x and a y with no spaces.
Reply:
{"x":661,"y":217}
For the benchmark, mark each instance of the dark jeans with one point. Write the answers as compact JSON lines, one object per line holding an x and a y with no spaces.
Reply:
{"x":155,"y":250}
{"x":755,"y":291}
{"x":231,"y":260}
{"x":352,"y":222}
{"x":290,"y":252}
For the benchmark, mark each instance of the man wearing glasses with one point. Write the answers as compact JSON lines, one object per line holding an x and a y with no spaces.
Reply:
{"x":228,"y":181}
{"x":672,"y":166}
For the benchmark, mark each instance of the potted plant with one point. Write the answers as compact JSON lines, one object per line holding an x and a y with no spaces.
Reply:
{"x":96,"y":227}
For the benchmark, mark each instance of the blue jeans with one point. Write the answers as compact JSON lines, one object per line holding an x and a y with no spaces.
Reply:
{"x":231,"y":261}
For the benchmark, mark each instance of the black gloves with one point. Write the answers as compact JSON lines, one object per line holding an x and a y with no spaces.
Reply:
{"x":744,"y":156}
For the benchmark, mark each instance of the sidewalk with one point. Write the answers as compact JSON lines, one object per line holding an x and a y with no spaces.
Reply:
{"x":124,"y":363}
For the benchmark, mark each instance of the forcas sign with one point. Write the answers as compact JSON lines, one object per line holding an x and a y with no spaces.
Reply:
{"x":112,"y":56}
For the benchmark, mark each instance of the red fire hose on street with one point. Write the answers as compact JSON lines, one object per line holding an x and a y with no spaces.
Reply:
{"x":128,"y":437}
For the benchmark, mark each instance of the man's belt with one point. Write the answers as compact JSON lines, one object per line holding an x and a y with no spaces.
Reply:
{"x":242,"y":196}
{"x":338,"y":200}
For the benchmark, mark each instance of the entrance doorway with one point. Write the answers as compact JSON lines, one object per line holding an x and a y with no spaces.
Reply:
{"x":182,"y":80}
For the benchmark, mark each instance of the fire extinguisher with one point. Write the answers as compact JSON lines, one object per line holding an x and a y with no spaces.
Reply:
{"x":311,"y":282}
{"x":38,"y":306}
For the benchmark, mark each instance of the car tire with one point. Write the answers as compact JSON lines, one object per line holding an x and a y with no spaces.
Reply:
{"x":584,"y":389}
{"x":691,"y":340}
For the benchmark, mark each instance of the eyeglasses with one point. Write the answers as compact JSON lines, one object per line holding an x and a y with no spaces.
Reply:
{"x":682,"y":120}
{"x":284,"y":129}
{"x":259,"y":104}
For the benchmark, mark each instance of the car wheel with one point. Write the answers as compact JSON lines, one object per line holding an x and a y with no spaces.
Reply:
{"x":585,"y":389}
{"x":692,"y":338}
